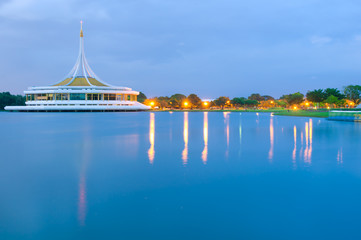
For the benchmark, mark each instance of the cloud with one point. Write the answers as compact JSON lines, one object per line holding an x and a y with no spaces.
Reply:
{"x":357,"y":38}
{"x":33,"y":10}
{"x":320,"y":40}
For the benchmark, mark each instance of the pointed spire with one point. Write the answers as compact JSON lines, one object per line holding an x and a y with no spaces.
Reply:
{"x":81,"y":28}
{"x":81,"y":74}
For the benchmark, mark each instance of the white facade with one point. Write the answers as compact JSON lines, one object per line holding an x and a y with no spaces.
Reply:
{"x":81,"y":90}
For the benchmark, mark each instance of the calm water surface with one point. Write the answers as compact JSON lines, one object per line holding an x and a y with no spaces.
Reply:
{"x":178,"y":176}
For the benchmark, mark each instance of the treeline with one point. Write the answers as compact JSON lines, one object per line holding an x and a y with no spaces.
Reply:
{"x":7,"y":99}
{"x":350,"y":96}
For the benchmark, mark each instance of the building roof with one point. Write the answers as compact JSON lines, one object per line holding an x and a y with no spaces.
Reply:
{"x":82,"y":74}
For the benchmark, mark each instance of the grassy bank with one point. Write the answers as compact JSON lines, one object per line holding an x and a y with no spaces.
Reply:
{"x":279,"y":112}
{"x":303,"y":113}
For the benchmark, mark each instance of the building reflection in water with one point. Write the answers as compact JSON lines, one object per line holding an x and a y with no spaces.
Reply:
{"x":151,"y":151}
{"x":205,"y":137}
{"x":271,"y":133}
{"x":185,"y":138}
{"x":82,"y":203}
{"x":226,"y":121}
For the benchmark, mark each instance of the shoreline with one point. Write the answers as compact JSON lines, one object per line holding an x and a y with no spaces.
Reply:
{"x":277,"y":112}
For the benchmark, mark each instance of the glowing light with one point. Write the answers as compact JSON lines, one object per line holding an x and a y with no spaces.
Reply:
{"x":185,"y":104}
{"x":185,"y":137}
{"x":151,"y":151}
{"x":152,"y":103}
{"x":228,"y":102}
{"x":205,"y":137}
{"x":272,"y":102}
{"x":205,"y":103}
{"x":328,"y":107}
{"x":294,"y":107}
{"x":307,"y":104}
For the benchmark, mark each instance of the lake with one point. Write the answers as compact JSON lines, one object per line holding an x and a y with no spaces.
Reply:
{"x":180,"y":175}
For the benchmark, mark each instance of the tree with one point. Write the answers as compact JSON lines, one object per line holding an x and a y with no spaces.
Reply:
{"x":294,"y":98}
{"x":353,"y":93}
{"x":333,"y":92}
{"x":163,"y":102}
{"x":332,"y":100}
{"x":267,"y":98}
{"x":7,"y":99}
{"x":176,"y":100}
{"x":256,"y":96}
{"x":281,"y":103}
{"x":221,"y":101}
{"x":251,"y":103}
{"x":141,"y":97}
{"x":238,"y":101}
{"x":316,"y":95}
{"x":194,"y":100}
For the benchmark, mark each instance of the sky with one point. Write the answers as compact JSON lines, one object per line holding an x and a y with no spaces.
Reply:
{"x":209,"y":47}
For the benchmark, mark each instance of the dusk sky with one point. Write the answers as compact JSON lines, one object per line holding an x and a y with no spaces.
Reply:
{"x":161,"y":47}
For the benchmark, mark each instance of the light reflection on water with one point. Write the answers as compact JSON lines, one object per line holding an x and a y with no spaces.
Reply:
{"x":295,"y":145}
{"x":205,"y":137}
{"x":185,"y":138}
{"x":151,"y":138}
{"x":271,"y":134}
{"x":226,"y":121}
{"x":111,"y":178}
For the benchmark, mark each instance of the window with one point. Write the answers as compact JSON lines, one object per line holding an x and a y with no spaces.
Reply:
{"x":94,"y":96}
{"x":110,"y":97}
{"x":64,"y":96}
{"x":50,"y":97}
{"x":41,"y":97}
{"x":77,"y":96}
{"x":61,"y":96}
{"x":119,"y":97}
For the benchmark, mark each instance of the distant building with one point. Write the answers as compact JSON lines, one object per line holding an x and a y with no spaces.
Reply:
{"x":81,"y":90}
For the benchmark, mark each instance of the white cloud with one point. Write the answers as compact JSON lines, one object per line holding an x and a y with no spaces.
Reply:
{"x":54,"y":9}
{"x":358,"y":38}
{"x":320,"y":40}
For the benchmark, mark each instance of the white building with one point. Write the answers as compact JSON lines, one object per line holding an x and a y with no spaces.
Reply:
{"x":81,"y":90}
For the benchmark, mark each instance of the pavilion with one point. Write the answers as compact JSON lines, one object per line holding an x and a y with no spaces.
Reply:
{"x":80,"y":90}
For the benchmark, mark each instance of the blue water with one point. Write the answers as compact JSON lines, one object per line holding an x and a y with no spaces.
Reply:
{"x":178,"y":176}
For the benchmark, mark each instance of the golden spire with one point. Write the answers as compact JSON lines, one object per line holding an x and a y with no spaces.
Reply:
{"x":81,"y":28}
